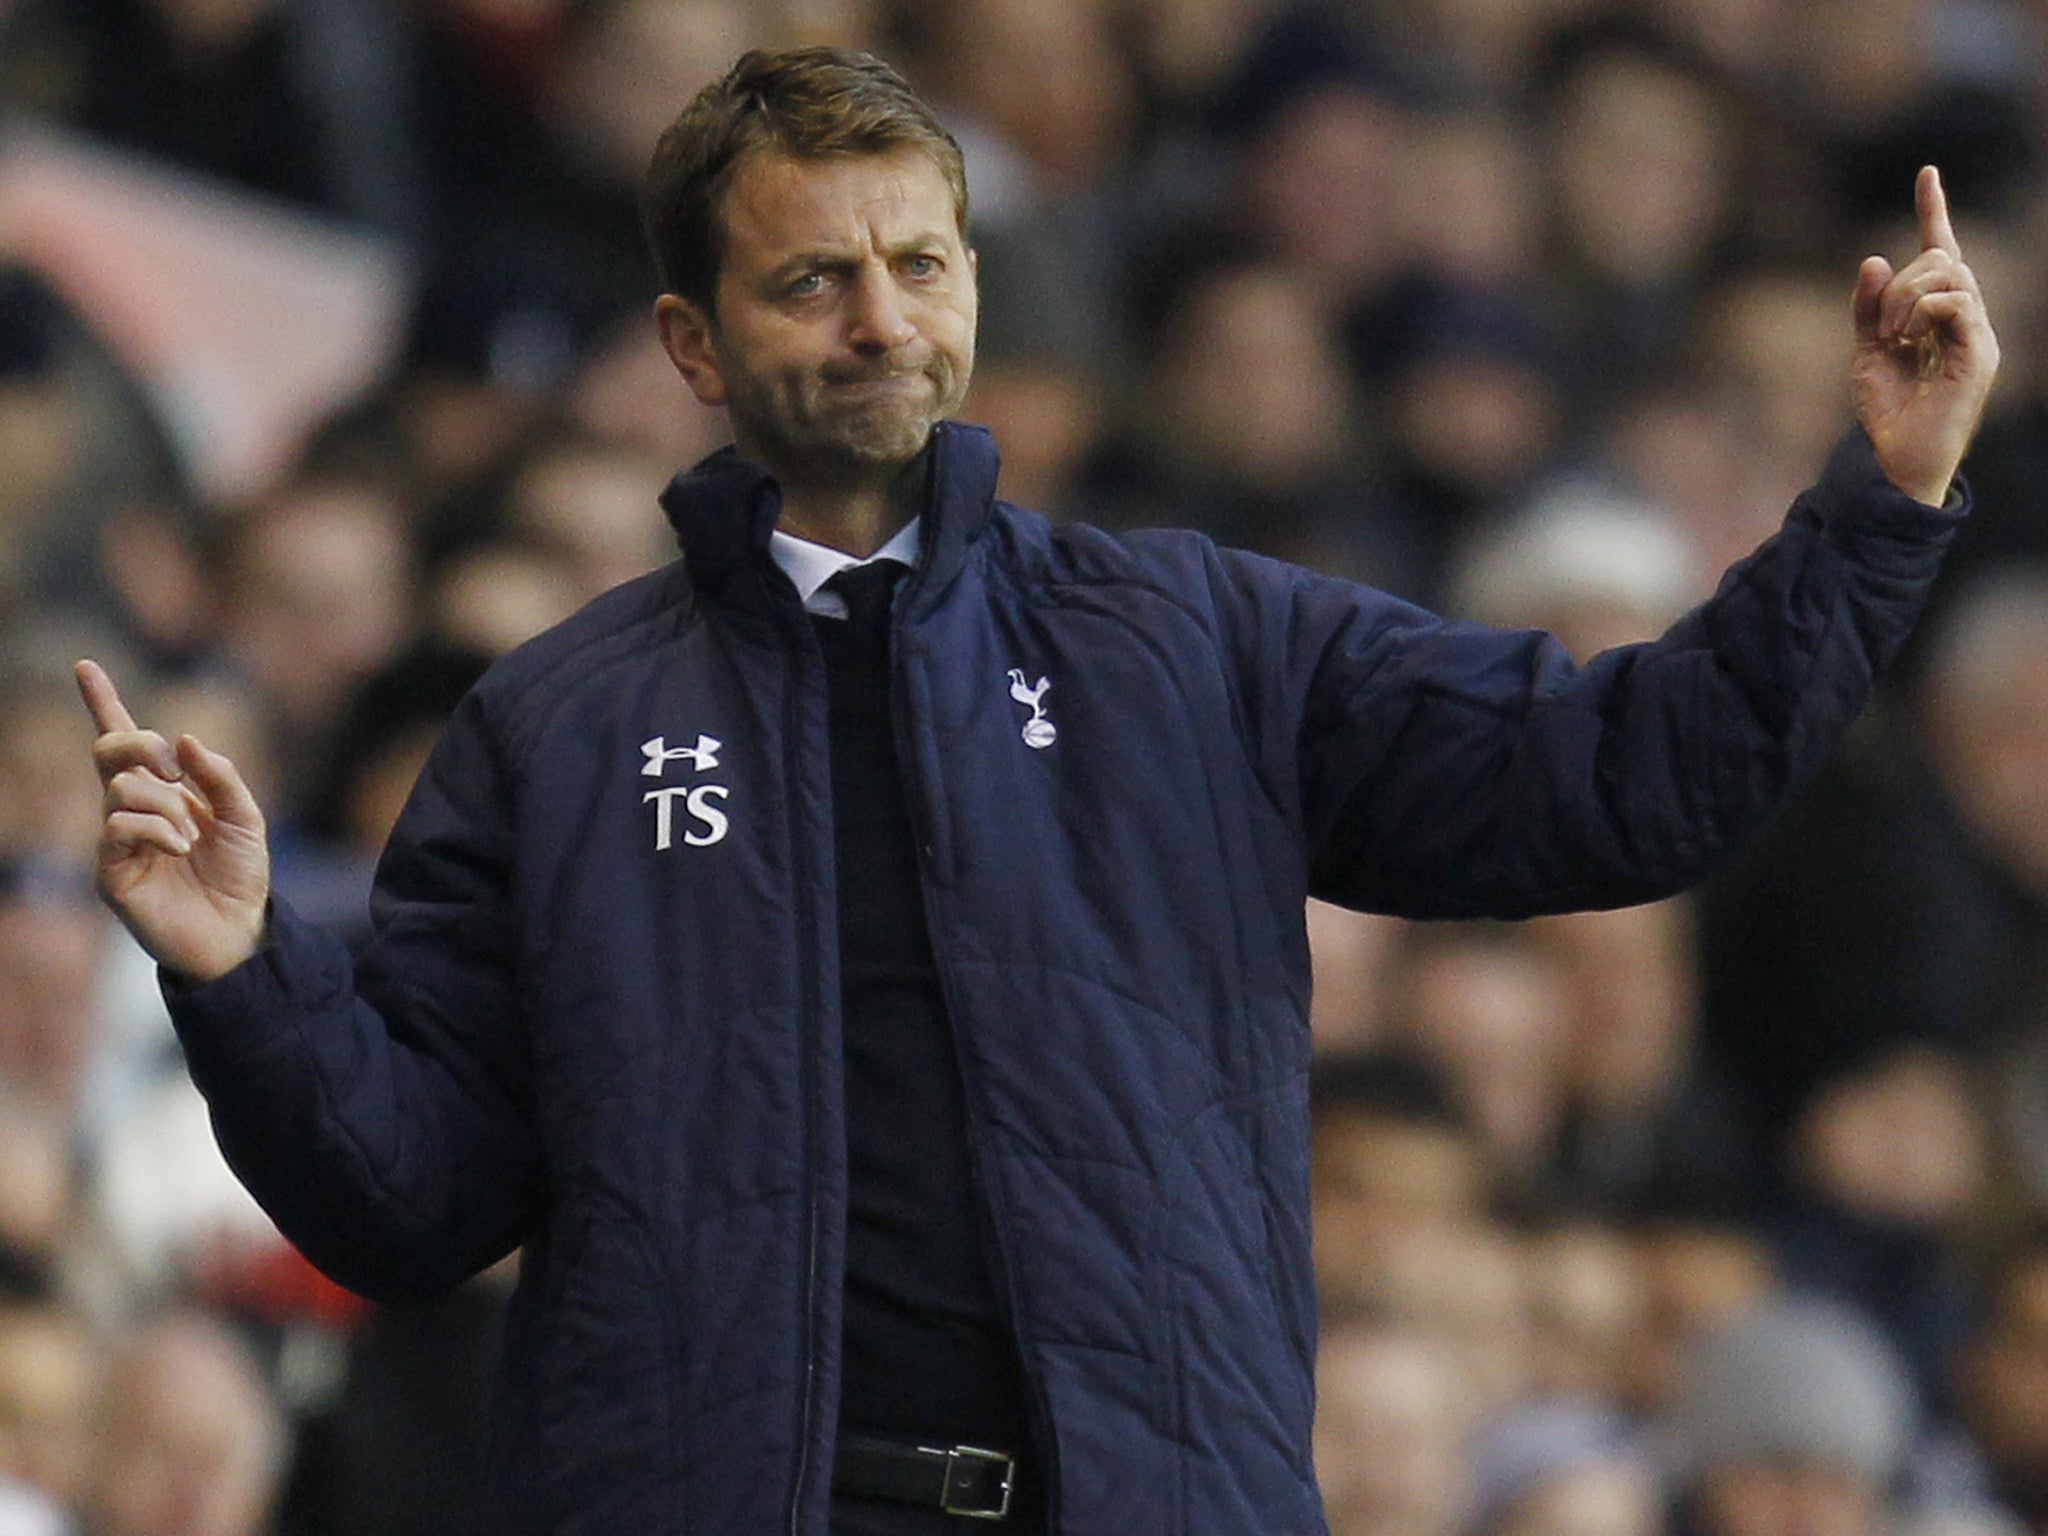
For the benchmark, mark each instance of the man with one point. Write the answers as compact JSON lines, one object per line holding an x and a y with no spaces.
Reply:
{"x":1797,"y":1419}
{"x":1007,"y":1124}
{"x":188,"y":1436}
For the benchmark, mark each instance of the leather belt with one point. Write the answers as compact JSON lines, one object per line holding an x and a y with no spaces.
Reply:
{"x":959,"y":1479}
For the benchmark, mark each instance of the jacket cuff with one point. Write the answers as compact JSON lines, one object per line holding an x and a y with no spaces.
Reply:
{"x":1853,"y":492}
{"x":252,"y":1009}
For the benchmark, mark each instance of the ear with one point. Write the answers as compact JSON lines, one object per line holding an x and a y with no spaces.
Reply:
{"x":686,"y":336}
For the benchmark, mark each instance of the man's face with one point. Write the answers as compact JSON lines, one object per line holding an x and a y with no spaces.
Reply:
{"x":844,"y":322}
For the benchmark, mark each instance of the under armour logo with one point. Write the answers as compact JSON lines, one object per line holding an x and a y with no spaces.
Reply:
{"x":1039,"y":732}
{"x":660,"y":754}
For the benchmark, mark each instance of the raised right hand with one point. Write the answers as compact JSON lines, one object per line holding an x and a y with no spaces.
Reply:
{"x":182,"y":859}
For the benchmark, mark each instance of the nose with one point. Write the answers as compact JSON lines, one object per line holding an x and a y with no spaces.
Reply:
{"x":877,"y":319}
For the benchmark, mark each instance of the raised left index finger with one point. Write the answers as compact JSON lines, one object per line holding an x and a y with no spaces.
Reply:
{"x":1931,"y":203}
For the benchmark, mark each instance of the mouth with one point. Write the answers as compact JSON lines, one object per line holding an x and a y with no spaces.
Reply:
{"x":882,"y":385}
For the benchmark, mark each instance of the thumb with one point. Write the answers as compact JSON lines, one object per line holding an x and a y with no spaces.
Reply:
{"x":218,"y":779}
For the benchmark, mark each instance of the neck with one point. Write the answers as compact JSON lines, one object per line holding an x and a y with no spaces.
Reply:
{"x":854,"y":514}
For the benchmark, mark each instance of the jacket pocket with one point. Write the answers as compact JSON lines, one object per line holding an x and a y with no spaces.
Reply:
{"x":604,"y":1383}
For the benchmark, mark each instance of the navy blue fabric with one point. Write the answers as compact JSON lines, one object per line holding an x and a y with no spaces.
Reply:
{"x":625,"y":1057}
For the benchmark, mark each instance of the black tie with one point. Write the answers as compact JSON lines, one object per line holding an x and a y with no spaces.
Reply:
{"x":866,"y":590}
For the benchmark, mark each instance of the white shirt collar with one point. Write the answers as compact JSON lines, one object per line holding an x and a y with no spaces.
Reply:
{"x":810,"y":565}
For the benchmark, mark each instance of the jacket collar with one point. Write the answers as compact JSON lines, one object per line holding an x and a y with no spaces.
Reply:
{"x":724,"y":510}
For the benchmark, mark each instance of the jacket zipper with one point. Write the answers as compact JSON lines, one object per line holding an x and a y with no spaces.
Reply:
{"x":807,"y":921}
{"x":1039,"y":1409}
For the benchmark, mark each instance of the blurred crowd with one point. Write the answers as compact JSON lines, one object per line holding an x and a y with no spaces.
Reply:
{"x":1721,"y":1217}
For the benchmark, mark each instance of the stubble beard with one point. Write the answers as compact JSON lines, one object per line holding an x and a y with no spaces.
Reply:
{"x":820,"y":439}
{"x":880,"y":436}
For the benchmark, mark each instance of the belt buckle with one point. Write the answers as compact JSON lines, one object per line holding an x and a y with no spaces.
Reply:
{"x":965,"y":1493}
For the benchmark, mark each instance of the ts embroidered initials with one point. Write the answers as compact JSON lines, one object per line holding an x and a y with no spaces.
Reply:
{"x":708,"y":824}
{"x":1039,"y":732}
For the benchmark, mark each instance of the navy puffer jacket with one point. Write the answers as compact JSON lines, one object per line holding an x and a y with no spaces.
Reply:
{"x":599,"y":1014}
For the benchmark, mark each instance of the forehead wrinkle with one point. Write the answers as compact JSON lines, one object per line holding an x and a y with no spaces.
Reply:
{"x":785,"y":209}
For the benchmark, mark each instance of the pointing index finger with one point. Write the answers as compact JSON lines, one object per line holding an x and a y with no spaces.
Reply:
{"x":102,"y":698}
{"x":1931,"y":203}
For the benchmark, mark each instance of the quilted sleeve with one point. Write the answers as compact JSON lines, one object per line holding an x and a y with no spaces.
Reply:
{"x":380,"y":1108}
{"x":1442,"y":769}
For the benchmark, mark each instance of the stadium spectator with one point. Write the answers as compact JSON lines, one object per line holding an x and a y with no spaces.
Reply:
{"x":1797,"y":1420}
{"x":187,"y":1440}
{"x":1566,"y":1468}
{"x":2002,"y":1379}
{"x":1392,"y":1434}
{"x":49,"y":1382}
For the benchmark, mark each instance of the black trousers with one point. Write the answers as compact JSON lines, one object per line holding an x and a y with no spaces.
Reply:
{"x":881,"y":1517}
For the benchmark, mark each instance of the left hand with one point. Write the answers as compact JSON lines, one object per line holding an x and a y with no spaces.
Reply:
{"x":1925,"y":354}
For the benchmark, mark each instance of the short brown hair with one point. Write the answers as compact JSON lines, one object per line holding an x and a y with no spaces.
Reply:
{"x":810,"y":103}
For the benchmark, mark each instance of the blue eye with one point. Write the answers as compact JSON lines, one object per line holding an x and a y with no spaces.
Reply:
{"x":807,"y":285}
{"x":923,"y":266}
